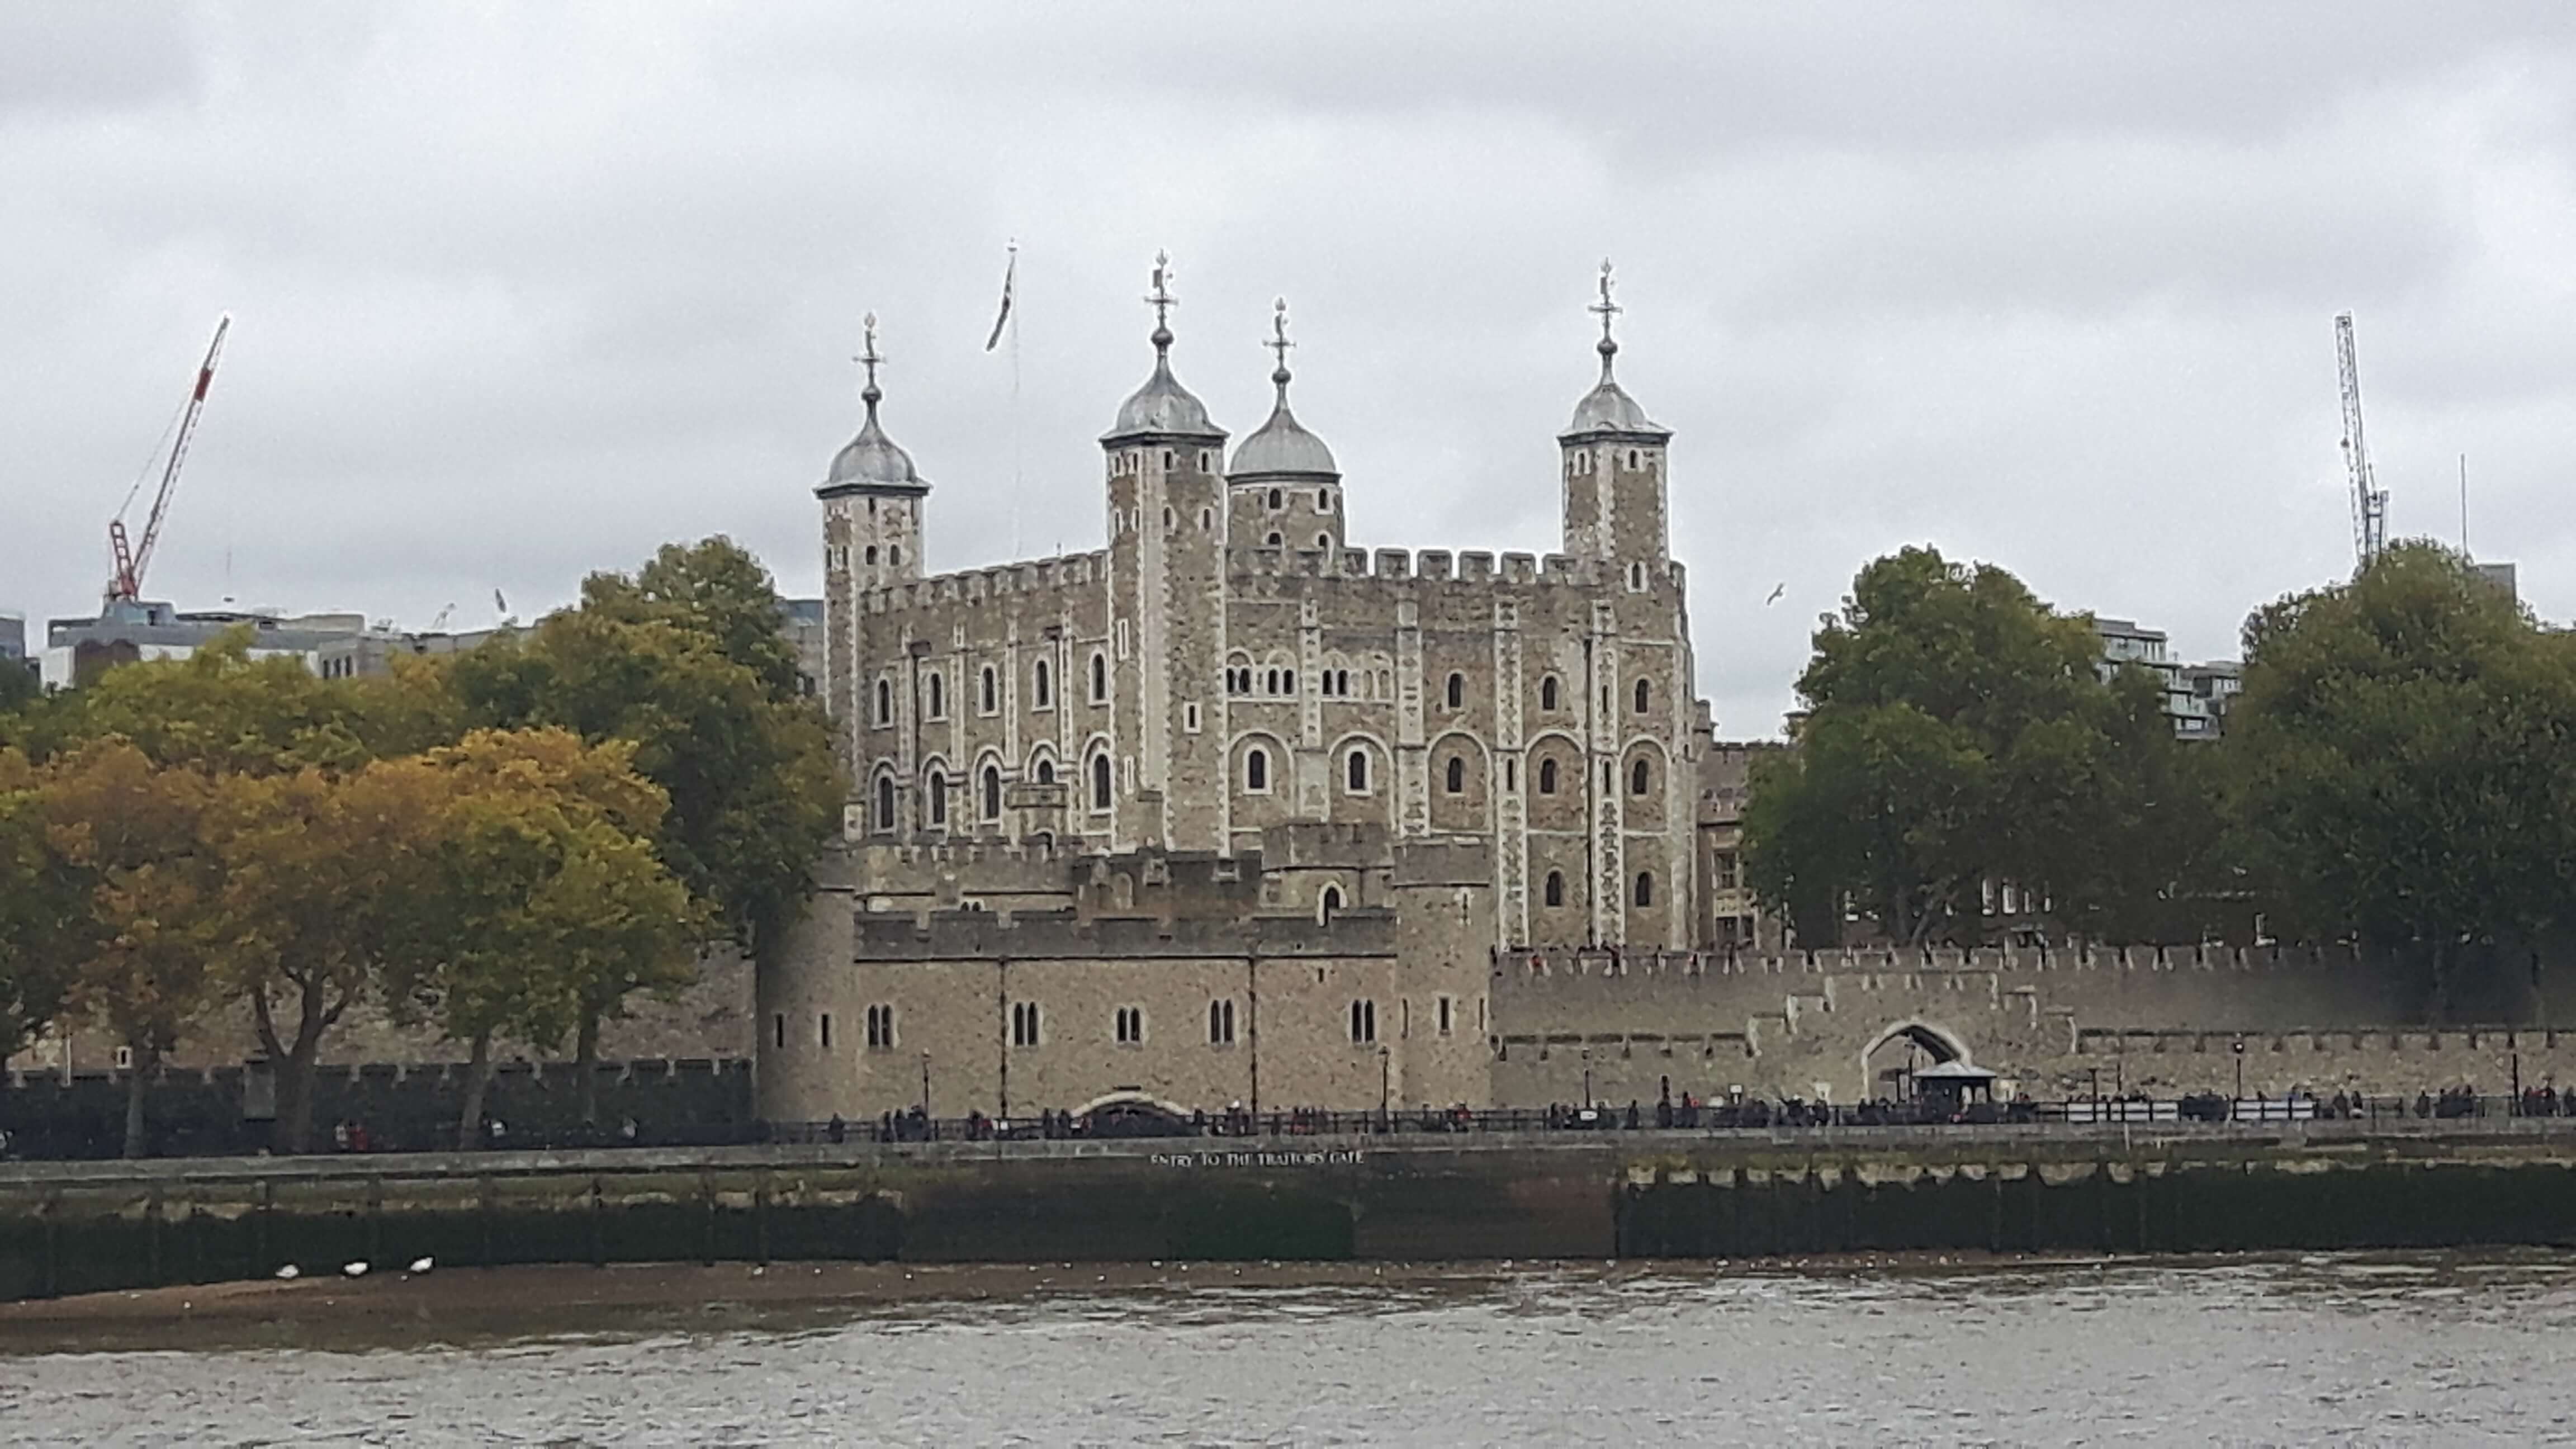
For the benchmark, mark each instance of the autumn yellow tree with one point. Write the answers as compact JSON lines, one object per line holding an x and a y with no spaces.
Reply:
{"x":124,"y":836}
{"x":539,"y":894}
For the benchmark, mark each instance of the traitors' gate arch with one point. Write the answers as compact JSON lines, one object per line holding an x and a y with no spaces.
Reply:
{"x":1889,"y":1062}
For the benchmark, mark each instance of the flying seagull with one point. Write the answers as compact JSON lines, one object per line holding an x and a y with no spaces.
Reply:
{"x":1776,"y":591}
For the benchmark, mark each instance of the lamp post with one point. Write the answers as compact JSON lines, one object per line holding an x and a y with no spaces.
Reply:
{"x":925,"y":1087}
{"x":2240,"y":1076}
{"x":1385,"y":1080}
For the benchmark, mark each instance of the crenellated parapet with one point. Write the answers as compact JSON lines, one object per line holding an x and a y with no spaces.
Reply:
{"x":1034,"y":577}
{"x":1064,"y":935}
{"x":1430,"y":565}
{"x":1883,"y":961}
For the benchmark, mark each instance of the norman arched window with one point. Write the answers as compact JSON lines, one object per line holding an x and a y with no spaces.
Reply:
{"x":1358,"y":775}
{"x":1547,"y":692}
{"x":1457,"y":775}
{"x":1256,"y":770}
{"x":1330,"y":905}
{"x":885,"y":802}
{"x":1099,"y":678}
{"x":1555,"y":892}
{"x":992,"y":793}
{"x":938,"y":691}
{"x":1100,"y":781}
{"x":1638,"y":778}
{"x":885,"y":702}
{"x":1045,"y":771}
{"x":990,"y":697}
{"x":1645,"y":693}
{"x":1645,"y":887}
{"x":894,"y":555}
{"x":1042,"y":684}
{"x":1457,"y":690}
{"x":934,"y":786}
{"x":1547,"y":777}
{"x":1275,"y":501}
{"x":1275,"y":540}
{"x":872,"y":553}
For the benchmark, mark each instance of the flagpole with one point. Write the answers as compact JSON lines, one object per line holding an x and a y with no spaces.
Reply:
{"x":1016,"y":486}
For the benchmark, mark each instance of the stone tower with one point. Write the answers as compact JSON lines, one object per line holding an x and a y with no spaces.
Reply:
{"x":1166,"y":563}
{"x":1636,"y":661}
{"x":872,"y":516}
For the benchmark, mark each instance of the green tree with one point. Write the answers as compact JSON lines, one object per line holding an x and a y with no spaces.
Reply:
{"x":1960,"y":732}
{"x":689,"y":663}
{"x":44,"y":919}
{"x":125,"y":834}
{"x":2403,"y":765}
{"x":540,"y":895}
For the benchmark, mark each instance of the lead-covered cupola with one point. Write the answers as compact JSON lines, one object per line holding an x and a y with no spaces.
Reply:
{"x":873,"y":499}
{"x":1284,"y":481}
{"x":1162,"y":408}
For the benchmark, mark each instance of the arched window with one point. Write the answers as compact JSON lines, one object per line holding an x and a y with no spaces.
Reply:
{"x":1555,"y":893}
{"x":1547,"y":692}
{"x":894,"y":555}
{"x":935,"y":786}
{"x":1645,"y":887}
{"x":1275,"y":540}
{"x":1099,"y":678}
{"x":1457,"y":690}
{"x":1100,"y":781}
{"x":872,"y":553}
{"x":992,"y":695}
{"x":1323,"y":540}
{"x":1638,"y":778}
{"x":1046,"y":771}
{"x":938,"y":690}
{"x":1547,"y":777}
{"x":1644,"y":694}
{"x":1359,"y":774}
{"x":1331,"y":903}
{"x":885,"y":802}
{"x":1457,"y":774}
{"x":1042,"y":684}
{"x":1256,"y":770}
{"x":1270,"y":682}
{"x":1275,"y":501}
{"x":885,"y":702}
{"x":992,"y":793}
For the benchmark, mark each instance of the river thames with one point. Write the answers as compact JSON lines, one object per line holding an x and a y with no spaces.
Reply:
{"x":2431,"y":1349}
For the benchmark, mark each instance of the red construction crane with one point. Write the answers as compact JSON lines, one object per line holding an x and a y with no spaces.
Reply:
{"x":132,"y":561}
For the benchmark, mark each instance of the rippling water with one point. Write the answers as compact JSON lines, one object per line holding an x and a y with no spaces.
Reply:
{"x":2429,"y":1350}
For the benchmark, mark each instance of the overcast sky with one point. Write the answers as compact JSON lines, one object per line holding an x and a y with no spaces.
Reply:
{"x":521,"y":292}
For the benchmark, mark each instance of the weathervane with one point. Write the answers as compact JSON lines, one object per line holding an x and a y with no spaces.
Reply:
{"x":1163,"y":302}
{"x":1279,"y":343}
{"x":868,"y":358}
{"x":1606,"y":309}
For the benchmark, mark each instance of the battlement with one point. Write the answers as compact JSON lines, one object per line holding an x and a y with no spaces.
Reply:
{"x":1033,"y":576}
{"x":1998,"y":960}
{"x":985,"y":936}
{"x":1432,"y":565}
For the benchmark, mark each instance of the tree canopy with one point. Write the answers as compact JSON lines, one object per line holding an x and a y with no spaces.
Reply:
{"x":1959,"y":732}
{"x":2403,"y":763}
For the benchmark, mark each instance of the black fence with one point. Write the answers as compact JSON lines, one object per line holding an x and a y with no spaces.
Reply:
{"x":710,"y":1104}
{"x":1745,"y":1115}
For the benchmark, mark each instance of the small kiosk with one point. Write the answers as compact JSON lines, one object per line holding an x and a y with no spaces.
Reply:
{"x":1953,"y":1087}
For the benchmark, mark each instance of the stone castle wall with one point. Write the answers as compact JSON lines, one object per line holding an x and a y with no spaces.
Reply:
{"x":2055,"y":1024}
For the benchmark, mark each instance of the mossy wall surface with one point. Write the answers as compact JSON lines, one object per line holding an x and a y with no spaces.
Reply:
{"x":76,"y":1228}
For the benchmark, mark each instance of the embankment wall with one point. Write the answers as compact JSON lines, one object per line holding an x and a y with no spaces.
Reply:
{"x":70,"y":1228}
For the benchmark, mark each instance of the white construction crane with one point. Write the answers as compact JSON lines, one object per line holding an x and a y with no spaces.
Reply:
{"x":2369,"y":500}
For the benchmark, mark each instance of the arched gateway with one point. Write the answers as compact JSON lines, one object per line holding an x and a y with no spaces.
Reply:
{"x":1889,"y":1062}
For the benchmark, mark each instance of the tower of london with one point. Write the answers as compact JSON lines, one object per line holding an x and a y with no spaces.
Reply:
{"x":1115,"y":812}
